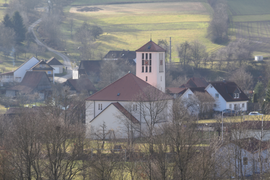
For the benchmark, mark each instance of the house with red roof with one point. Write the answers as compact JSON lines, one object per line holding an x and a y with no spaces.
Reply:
{"x":124,"y":105}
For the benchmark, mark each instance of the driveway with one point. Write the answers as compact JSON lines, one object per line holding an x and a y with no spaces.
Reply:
{"x":63,"y":56}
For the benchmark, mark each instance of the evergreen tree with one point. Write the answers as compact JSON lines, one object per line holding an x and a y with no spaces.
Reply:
{"x":18,"y":27}
{"x":267,"y":95}
{"x":7,"y":21}
{"x":259,"y":90}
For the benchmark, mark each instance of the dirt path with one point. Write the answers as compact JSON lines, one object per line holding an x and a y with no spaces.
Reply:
{"x":63,"y":56}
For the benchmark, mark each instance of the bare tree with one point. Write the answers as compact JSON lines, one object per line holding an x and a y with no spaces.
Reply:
{"x":218,"y":28}
{"x":242,"y":78}
{"x":198,"y":53}
{"x":183,"y":52}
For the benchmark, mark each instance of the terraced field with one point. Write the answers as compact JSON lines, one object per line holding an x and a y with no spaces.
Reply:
{"x":251,"y":21}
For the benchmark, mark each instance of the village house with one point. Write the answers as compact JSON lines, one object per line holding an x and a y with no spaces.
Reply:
{"x":244,"y":157}
{"x":56,"y":65}
{"x":33,"y":82}
{"x":81,"y":85}
{"x":42,"y":66}
{"x":129,"y":56}
{"x":227,"y":96}
{"x":18,"y":74}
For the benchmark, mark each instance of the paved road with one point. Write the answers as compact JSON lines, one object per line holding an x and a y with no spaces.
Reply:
{"x":63,"y":56}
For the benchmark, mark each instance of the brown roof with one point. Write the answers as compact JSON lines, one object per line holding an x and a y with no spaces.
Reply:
{"x":30,"y":81}
{"x":175,"y":90}
{"x":80,"y":84}
{"x":252,"y":144}
{"x":226,"y":90}
{"x":150,"y":47}
{"x":125,"y":112}
{"x":197,"y":89}
{"x":8,"y":73}
{"x":195,"y":82}
{"x":54,"y":61}
{"x":126,"y":88}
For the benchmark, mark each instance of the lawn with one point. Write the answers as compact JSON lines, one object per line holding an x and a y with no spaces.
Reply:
{"x":129,"y":26}
{"x":236,"y":119}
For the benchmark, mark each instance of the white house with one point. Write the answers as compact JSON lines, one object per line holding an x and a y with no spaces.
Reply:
{"x":131,"y":97}
{"x":18,"y":74}
{"x":56,"y":65}
{"x":197,"y":100}
{"x":132,"y":94}
{"x":227,"y":96}
{"x":244,"y":157}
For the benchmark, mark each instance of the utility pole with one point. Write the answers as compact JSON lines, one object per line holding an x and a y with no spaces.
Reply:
{"x":170,"y":51}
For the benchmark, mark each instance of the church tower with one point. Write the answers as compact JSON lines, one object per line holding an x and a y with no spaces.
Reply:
{"x":150,"y":64}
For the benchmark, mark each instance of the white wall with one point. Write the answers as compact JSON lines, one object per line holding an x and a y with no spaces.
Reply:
{"x":228,"y":153}
{"x":155,"y":78}
{"x":113,"y":120}
{"x":238,"y":104}
{"x":20,"y":72}
{"x":220,"y":101}
{"x":58,"y":69}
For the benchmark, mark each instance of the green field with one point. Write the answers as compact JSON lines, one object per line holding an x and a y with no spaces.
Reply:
{"x":129,"y":26}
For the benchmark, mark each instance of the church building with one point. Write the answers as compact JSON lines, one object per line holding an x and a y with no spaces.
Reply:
{"x":125,"y":108}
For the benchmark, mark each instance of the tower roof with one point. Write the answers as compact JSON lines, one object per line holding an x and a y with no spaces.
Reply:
{"x":150,"y":47}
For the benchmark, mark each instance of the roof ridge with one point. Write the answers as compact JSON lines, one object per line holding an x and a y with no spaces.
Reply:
{"x":107,"y":86}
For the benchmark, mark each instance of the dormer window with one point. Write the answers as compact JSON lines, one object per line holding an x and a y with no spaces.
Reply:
{"x":235,"y":95}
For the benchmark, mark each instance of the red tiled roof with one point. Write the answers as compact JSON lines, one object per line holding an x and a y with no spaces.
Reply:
{"x":226,"y":90}
{"x":29,"y":82}
{"x":150,"y":47}
{"x":126,"y":88}
{"x":195,"y":82}
{"x":175,"y":90}
{"x":125,"y":112}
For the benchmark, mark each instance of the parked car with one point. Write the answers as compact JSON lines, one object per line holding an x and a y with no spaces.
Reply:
{"x":255,"y":113}
{"x":229,"y":112}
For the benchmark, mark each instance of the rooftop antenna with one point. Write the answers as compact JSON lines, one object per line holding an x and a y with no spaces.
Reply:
{"x":150,"y":37}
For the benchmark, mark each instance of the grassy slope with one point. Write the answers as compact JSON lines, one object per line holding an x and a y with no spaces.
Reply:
{"x":128,"y":26}
{"x":253,"y":17}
